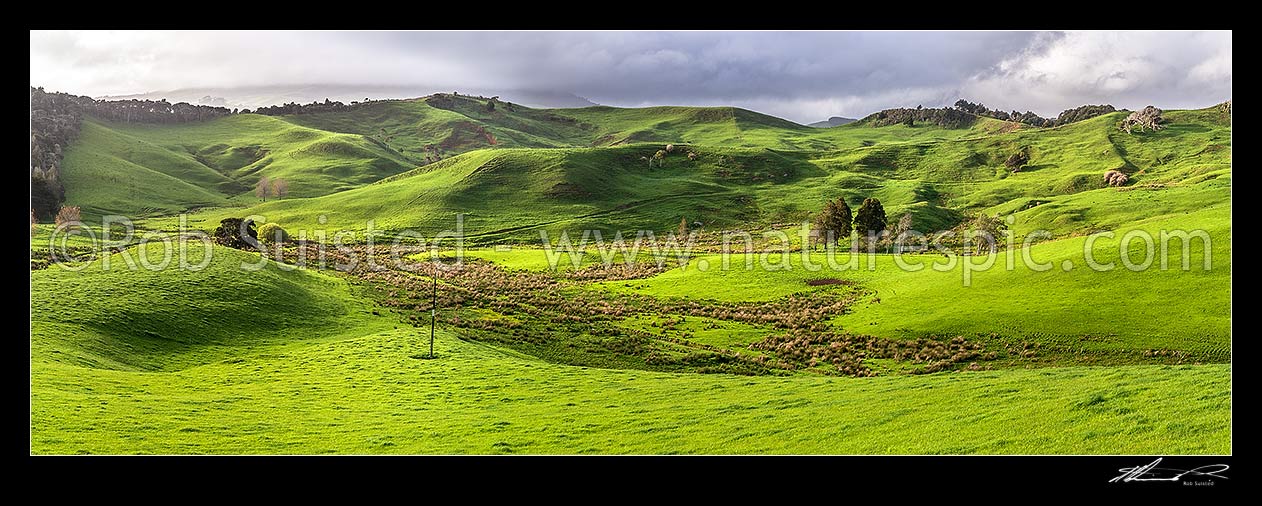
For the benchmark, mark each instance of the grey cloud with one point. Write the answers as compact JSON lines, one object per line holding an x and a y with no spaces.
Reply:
{"x":803,"y":76}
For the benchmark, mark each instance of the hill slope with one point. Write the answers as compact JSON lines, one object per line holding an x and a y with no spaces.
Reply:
{"x":228,"y":361}
{"x":173,"y":318}
{"x":936,"y":181}
{"x":111,"y":167}
{"x":147,"y":169}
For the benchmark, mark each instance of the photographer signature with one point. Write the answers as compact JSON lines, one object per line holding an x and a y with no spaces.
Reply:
{"x":1151,"y":472}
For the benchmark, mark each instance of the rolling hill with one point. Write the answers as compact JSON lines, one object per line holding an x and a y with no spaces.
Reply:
{"x":225,"y":359}
{"x":277,"y":361}
{"x":218,"y":161}
{"x":937,"y":175}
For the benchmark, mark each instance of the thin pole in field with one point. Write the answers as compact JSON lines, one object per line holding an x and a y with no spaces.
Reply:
{"x":433,"y":311}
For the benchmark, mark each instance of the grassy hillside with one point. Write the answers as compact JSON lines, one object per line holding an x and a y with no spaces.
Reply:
{"x":451,"y":125}
{"x":172,"y":318}
{"x":1113,"y":312}
{"x":217,"y":162}
{"x":225,"y":361}
{"x":155,"y":169}
{"x":110,"y":173}
{"x":938,"y":182}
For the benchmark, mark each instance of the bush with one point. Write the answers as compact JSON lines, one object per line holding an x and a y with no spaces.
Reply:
{"x":1116,"y":178}
{"x":271,"y":233}
{"x":69,"y":216}
{"x":236,"y":233}
{"x":1146,"y":118}
{"x":1016,"y":161}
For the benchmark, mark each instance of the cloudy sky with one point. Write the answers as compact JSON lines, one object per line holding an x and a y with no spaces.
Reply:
{"x":802,"y":76}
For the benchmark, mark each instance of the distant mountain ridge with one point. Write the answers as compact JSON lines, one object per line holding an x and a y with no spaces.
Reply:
{"x":832,"y":122}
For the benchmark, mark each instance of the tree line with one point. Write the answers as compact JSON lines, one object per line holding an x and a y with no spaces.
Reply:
{"x":55,"y":120}
{"x":964,"y":113}
{"x":1030,"y":118}
{"x":312,"y":108}
{"x":944,"y":117}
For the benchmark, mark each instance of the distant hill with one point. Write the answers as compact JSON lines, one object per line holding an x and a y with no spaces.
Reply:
{"x":832,"y":122}
{"x":411,"y":163}
{"x":253,"y":97}
{"x":938,"y":181}
{"x":151,"y":169}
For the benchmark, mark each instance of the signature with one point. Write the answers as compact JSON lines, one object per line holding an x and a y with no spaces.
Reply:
{"x":1151,"y":472}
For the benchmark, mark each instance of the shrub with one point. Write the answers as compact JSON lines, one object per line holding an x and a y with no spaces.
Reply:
{"x":69,"y":216}
{"x":236,"y":233}
{"x":1116,"y":178}
{"x":1017,"y":160}
{"x":272,"y":233}
{"x":1148,"y":117}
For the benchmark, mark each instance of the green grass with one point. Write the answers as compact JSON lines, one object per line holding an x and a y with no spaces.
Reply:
{"x":110,"y":173}
{"x":1115,"y":310}
{"x":937,"y":180}
{"x":161,"y":169}
{"x":368,"y":395}
{"x":277,"y":361}
{"x":99,"y":386}
{"x":147,"y":320}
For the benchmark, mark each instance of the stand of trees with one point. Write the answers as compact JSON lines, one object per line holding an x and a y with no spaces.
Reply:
{"x":55,"y":120}
{"x":271,"y":187}
{"x":964,"y":113}
{"x":1066,"y":117}
{"x":312,"y":108}
{"x":835,"y":223}
{"x":1146,"y":118}
{"x":944,"y":117}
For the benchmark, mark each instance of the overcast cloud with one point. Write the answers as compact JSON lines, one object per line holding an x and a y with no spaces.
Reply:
{"x":801,"y":76}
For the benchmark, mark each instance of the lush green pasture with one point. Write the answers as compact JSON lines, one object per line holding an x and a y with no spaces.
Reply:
{"x":109,"y":173}
{"x":937,"y":180}
{"x":130,"y":317}
{"x":223,"y":358}
{"x":227,"y":361}
{"x":1115,"y":310}
{"x":228,"y":155}
{"x":371,"y":394}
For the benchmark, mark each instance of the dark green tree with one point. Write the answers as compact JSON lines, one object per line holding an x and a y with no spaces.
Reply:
{"x":870,"y":219}
{"x":833,"y":222}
